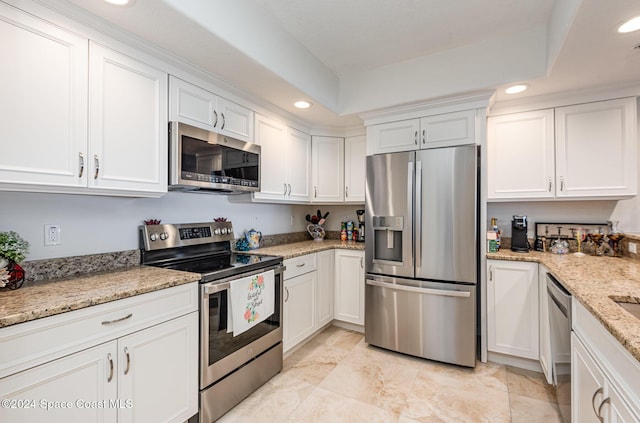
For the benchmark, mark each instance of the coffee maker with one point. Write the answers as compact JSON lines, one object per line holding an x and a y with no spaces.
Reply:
{"x":360,"y":214}
{"x":519,"y":241}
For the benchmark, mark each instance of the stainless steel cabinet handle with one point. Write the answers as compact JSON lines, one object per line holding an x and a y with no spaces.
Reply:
{"x":346,"y":192}
{"x":315,"y":192}
{"x":215,"y":115}
{"x":289,"y":194}
{"x":593,"y":401}
{"x":361,"y":262}
{"x":549,"y":184}
{"x":110,"y":367}
{"x":126,"y":352}
{"x":285,"y":190}
{"x":97,"y":161}
{"x":415,"y":138}
{"x":223,"y":121}
{"x":286,"y":290}
{"x":561,"y":183}
{"x":490,"y":273}
{"x":300,"y":265}
{"x":109,"y":322}
{"x":81,"y":158}
{"x":424,"y":138}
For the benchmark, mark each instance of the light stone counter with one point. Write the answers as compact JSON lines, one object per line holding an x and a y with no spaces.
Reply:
{"x":297,"y":249}
{"x":596,"y":282}
{"x":54,"y":296}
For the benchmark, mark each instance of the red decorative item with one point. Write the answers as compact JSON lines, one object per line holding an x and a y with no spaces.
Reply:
{"x":16,"y":275}
{"x":152,"y":222}
{"x":219,"y":219}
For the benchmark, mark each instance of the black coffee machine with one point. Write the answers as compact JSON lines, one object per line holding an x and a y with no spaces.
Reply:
{"x":360,"y":214}
{"x":519,"y":240}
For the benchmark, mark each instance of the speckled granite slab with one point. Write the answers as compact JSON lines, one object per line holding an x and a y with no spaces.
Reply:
{"x":597,"y":282}
{"x":49,"y":297}
{"x":297,"y":249}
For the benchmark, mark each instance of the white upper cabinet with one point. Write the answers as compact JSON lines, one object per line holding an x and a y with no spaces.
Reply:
{"x":582,"y":151}
{"x":78,"y":117}
{"x":520,"y":155}
{"x":448,"y":129}
{"x":596,"y":149}
{"x":394,"y":136}
{"x":327,"y":178}
{"x":285,"y":162}
{"x":442,"y":130}
{"x":127,"y":123}
{"x":354,"y":169}
{"x":198,"y":107}
{"x":43,"y":103}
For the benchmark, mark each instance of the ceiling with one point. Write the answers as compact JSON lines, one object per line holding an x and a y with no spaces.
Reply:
{"x":356,"y":56}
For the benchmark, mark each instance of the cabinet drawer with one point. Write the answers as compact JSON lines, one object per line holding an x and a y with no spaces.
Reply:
{"x":29,"y":344}
{"x":299,"y":265}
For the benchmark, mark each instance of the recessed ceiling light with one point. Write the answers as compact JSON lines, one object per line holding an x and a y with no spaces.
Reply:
{"x":302,"y":104}
{"x":515,"y":89}
{"x":120,"y":2}
{"x":630,"y":25}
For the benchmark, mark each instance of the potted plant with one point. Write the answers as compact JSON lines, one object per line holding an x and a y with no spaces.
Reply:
{"x":13,"y":249}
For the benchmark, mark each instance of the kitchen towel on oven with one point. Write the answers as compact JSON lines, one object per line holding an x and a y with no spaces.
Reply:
{"x":251,"y":300}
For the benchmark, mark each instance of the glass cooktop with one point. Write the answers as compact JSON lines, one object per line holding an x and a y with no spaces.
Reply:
{"x":224,"y":265}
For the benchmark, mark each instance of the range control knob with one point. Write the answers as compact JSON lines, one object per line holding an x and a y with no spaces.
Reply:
{"x":164,"y":236}
{"x":216,"y":231}
{"x":223,"y":231}
{"x":153,"y":236}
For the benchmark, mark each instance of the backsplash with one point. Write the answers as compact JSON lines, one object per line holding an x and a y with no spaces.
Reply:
{"x":70,"y":266}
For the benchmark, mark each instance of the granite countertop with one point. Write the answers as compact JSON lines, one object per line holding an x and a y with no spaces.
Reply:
{"x":596,"y":282}
{"x":297,"y":249}
{"x":54,"y":296}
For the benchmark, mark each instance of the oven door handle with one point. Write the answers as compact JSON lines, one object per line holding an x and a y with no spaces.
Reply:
{"x":212,"y":288}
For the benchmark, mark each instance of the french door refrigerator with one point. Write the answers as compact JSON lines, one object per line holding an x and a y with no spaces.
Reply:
{"x":421,"y":253}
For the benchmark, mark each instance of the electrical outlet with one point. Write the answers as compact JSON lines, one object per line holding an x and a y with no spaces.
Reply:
{"x":52,"y":234}
{"x":632,"y":248}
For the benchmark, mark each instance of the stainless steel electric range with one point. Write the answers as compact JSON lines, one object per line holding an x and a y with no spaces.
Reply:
{"x":231,"y":367}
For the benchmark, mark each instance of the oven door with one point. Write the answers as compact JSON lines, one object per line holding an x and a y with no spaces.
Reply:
{"x":221,"y":352}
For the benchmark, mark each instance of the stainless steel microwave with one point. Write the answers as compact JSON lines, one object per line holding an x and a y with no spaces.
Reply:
{"x":204,"y":160}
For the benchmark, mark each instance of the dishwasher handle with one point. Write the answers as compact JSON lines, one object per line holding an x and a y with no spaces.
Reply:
{"x":427,"y":291}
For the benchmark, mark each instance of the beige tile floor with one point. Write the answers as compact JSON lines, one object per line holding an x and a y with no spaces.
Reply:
{"x":337,"y":377}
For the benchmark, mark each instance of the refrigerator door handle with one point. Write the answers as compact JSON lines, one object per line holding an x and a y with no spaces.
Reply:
{"x":417,"y":216}
{"x":427,"y":291}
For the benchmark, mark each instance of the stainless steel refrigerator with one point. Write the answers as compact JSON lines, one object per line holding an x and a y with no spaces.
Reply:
{"x":421,"y":253}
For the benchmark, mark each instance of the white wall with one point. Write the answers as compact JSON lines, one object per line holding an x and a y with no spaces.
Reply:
{"x":95,"y":224}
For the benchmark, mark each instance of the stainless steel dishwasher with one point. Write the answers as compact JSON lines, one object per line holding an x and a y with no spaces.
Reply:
{"x":560,"y":331}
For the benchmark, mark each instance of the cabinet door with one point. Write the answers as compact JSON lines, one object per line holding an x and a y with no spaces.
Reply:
{"x":596,"y":149}
{"x":354,"y":169}
{"x":617,"y":410}
{"x":545,"y":329}
{"x":299,"y":309}
{"x":324,"y":293}
{"x":448,"y":129}
{"x":43,"y":102}
{"x":236,"y":120}
{"x":299,"y":166}
{"x":587,"y":384}
{"x":76,"y":381}
{"x":158,"y":372}
{"x":191,"y":104}
{"x":520,"y":156}
{"x":349,"y":286}
{"x":512,"y":308}
{"x":394,"y":136}
{"x":327,"y":166}
{"x":272,"y":137}
{"x":128,"y":123}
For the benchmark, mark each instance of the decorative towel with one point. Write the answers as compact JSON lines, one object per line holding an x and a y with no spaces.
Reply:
{"x":250,"y":301}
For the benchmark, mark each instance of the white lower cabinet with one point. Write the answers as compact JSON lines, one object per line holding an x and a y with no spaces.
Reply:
{"x":349,"y":286}
{"x":512,"y":308}
{"x":300,"y":285}
{"x":605,"y":377}
{"x":324,"y":292}
{"x":150,"y":375}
